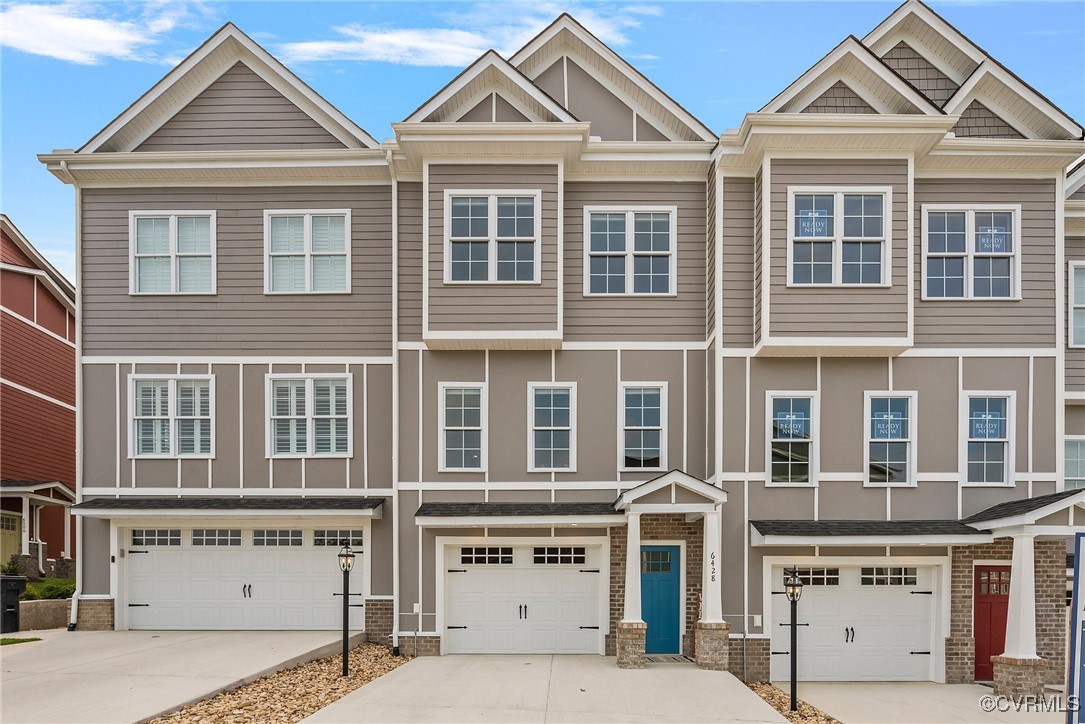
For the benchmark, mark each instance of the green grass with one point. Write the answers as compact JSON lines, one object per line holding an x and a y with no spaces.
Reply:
{"x":50,"y":588}
{"x":5,"y":642}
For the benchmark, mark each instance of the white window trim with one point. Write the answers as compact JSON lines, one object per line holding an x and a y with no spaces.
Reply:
{"x":1011,"y":434}
{"x":133,"y":281}
{"x":1072,"y":304}
{"x":310,"y":429}
{"x":969,"y":253}
{"x":1066,"y":439}
{"x":308,"y":215}
{"x":913,"y":436}
{"x":664,"y":422}
{"x":629,"y":210}
{"x":531,"y":387}
{"x":491,"y":227}
{"x":484,"y":421}
{"x":815,"y":437}
{"x":838,"y":192}
{"x":133,"y":452}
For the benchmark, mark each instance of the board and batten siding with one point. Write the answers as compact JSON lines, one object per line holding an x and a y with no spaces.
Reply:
{"x":623,"y":318}
{"x":1075,"y":356}
{"x":1029,"y":322}
{"x":239,"y":111}
{"x":855,"y":312}
{"x":240,"y":319}
{"x":409,"y":245}
{"x":493,"y":307}
{"x":738,"y":262}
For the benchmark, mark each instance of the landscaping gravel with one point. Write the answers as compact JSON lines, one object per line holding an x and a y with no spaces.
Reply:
{"x":781,"y":702}
{"x":292,"y":694}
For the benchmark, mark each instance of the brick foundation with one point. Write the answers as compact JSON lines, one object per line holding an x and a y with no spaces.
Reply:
{"x":749,"y":658}
{"x":1018,"y":677}
{"x":95,"y":614}
{"x":713,"y":645}
{"x":420,"y":645}
{"x":960,"y":660}
{"x":630,"y":644}
{"x":378,"y":620}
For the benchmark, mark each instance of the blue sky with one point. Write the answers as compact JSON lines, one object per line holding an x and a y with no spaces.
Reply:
{"x":66,"y":69}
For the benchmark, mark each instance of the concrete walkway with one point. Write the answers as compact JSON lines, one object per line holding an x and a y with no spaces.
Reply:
{"x":548,"y":689}
{"x":915,"y":703}
{"x":127,"y":676}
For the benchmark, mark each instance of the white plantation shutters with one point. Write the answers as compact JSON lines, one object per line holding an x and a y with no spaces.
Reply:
{"x":310,"y":416}
{"x":329,"y":254}
{"x":173,"y":253}
{"x":172,"y":417}
{"x":152,"y":417}
{"x":289,"y":431}
{"x":330,"y":416}
{"x":308,"y":252}
{"x":288,"y":254}
{"x":153,"y":255}
{"x":193,"y":417}
{"x":193,"y":254}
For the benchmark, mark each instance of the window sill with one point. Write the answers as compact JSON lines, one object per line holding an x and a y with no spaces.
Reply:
{"x":480,"y":471}
{"x":811,"y":484}
{"x":552,"y":470}
{"x":966,"y":484}
{"x":868,"y":484}
{"x":794,"y":285}
{"x":172,"y":457}
{"x":502,"y":283}
{"x":335,"y":456}
{"x":173,"y":294}
{"x":306,"y":294}
{"x":643,"y":470}
{"x":971,"y":299}
{"x":650,"y":295}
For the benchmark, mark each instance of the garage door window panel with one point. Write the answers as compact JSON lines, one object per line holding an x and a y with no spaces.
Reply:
{"x":216,"y":537}
{"x":266,"y":538}
{"x":815,"y":576}
{"x":888,"y":576}
{"x":337,"y":538}
{"x":559,"y":555}
{"x":156,"y":536}
{"x":483,"y":556}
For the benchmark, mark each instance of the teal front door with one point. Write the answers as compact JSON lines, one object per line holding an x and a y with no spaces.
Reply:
{"x":659,"y":603}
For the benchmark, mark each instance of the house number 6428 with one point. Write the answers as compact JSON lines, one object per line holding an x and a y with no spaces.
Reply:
{"x":712,"y":567}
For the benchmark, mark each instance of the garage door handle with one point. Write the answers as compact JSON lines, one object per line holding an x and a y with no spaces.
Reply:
{"x":525,"y":610}
{"x":853,"y":635}
{"x":135,"y":552}
{"x":139,"y":605}
{"x":521,"y":611}
{"x":921,"y":593}
{"x":589,"y":570}
{"x":455,"y":627}
{"x":250,"y":590}
{"x":457,"y":570}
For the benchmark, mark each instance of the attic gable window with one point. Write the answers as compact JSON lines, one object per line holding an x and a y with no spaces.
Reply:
{"x":172,"y":252}
{"x":492,"y":237}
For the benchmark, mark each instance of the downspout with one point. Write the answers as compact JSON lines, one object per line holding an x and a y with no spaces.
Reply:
{"x":37,"y":538}
{"x":78,"y":545}
{"x":395,"y":403}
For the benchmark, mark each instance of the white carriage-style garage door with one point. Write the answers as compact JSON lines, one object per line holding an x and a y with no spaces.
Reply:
{"x":860,"y":623}
{"x":537,"y":599}
{"x":234,"y":578}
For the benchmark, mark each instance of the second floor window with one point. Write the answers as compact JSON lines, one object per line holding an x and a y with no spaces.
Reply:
{"x":309,"y":416}
{"x":1075,"y":464}
{"x":307,"y":252}
{"x":838,"y":237}
{"x":630,"y":251}
{"x":889,"y":446}
{"x":463,"y":418}
{"x":791,"y":431}
{"x":553,"y":412}
{"x":988,"y":442}
{"x":492,"y":237}
{"x":172,"y":417}
{"x":172,"y":253}
{"x":644,"y":427}
{"x":1077,"y":305}
{"x":970,"y":253}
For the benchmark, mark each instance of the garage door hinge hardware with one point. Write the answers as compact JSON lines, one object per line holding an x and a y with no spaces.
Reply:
{"x":349,"y":594}
{"x":594,"y":628}
{"x":920,"y":653}
{"x":921,"y":593}
{"x":788,"y":624}
{"x":139,"y":605}
{"x":780,"y":653}
{"x":455,"y":627}
{"x":134,"y":552}
{"x":457,"y":570}
{"x":356,"y":605}
{"x":589,"y":570}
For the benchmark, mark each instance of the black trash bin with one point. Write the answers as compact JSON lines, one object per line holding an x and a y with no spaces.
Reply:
{"x":11,"y":587}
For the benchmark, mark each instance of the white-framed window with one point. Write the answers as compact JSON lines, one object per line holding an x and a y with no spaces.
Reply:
{"x":172,"y":252}
{"x":630,"y":250}
{"x":839,"y":236}
{"x":486,"y":556}
{"x":792,"y":451}
{"x":307,"y":251}
{"x":172,"y":416}
{"x":551,"y":409}
{"x":1077,"y":304}
{"x":890,"y":437}
{"x":310,"y":415}
{"x":492,"y":236}
{"x":156,"y":536}
{"x":888,"y":576}
{"x":988,"y":450}
{"x":267,"y":538}
{"x":462,"y":423}
{"x":971,"y":251}
{"x":1074,"y":450}
{"x":642,"y":426}
{"x":338,"y":537}
{"x":216,"y":537}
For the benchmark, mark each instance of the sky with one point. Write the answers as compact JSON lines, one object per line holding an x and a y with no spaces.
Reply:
{"x":68,"y":68}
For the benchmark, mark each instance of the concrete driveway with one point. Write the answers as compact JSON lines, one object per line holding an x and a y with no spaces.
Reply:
{"x":548,"y":689}
{"x":915,"y":703}
{"x":126,"y":676}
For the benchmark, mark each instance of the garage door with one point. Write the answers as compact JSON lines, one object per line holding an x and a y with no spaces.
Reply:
{"x":864,"y":624}
{"x":239,"y":578}
{"x":540,"y":599}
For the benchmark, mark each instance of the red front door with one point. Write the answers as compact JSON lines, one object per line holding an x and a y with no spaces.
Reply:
{"x":991,"y":594}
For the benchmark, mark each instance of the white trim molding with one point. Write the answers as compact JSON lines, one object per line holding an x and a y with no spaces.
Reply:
{"x":492,"y":237}
{"x":307,"y":251}
{"x":174,"y":254}
{"x":629,"y":250}
{"x":442,"y":390}
{"x":532,"y":387}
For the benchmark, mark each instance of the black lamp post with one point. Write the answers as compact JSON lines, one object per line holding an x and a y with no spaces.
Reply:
{"x":793,"y":590}
{"x":346,"y":562}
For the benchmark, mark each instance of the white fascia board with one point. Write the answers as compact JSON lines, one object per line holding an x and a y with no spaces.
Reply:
{"x":519,"y":521}
{"x":1075,"y":181}
{"x":1032,"y":516}
{"x":924,"y":13}
{"x":204,"y":513}
{"x":758,"y":540}
{"x":38,"y":489}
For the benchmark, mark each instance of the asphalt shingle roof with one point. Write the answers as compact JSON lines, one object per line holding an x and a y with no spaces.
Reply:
{"x":1018,"y":507}
{"x":456,"y":510}
{"x":229,"y":503}
{"x":831,"y":528}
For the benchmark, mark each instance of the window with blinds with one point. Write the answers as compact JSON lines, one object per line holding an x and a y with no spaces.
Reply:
{"x":307,"y":252}
{"x":172,"y":253}
{"x":309,"y":416}
{"x":172,"y":416}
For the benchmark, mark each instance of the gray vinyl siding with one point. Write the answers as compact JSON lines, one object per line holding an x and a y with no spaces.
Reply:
{"x":1075,"y":357}
{"x":979,"y":121}
{"x":839,"y":98}
{"x":589,"y":100}
{"x":710,"y":256}
{"x":410,"y":261}
{"x":239,"y":111}
{"x":626,"y":318}
{"x":739,"y":272}
{"x":918,"y":71}
{"x":1026,"y":323}
{"x":841,"y":311}
{"x":493,"y":307}
{"x":758,"y":255}
{"x":240,"y":319}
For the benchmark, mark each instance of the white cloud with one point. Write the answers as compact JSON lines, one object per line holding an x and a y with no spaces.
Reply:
{"x":653,"y":10}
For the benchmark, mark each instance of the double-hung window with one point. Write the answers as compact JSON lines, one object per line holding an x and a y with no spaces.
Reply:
{"x":839,"y":236}
{"x":792,"y":455}
{"x":172,"y":416}
{"x":1077,"y":304}
{"x":308,"y":252}
{"x":988,"y":450}
{"x":1075,"y":464}
{"x":552,"y":426}
{"x":463,"y":426}
{"x":310,"y":416}
{"x":172,"y":252}
{"x":492,"y":237}
{"x":889,"y":419}
{"x":971,"y":253}
{"x":630,"y":251}
{"x":643,"y":426}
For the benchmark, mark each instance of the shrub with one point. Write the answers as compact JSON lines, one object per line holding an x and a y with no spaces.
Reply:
{"x":14,"y":567}
{"x":49,"y":588}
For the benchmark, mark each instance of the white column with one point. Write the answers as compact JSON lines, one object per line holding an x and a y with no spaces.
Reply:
{"x":1021,"y":616}
{"x":632,"y":568}
{"x":67,"y":531}
{"x":26,"y":527}
{"x":711,"y":598}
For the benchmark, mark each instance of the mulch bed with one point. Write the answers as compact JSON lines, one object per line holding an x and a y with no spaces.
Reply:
{"x":290,"y":695}
{"x":781,"y":702}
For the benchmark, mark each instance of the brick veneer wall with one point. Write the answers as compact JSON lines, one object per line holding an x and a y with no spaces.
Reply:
{"x":95,"y":614}
{"x":420,"y":645}
{"x":657,"y":527}
{"x":378,"y":620}
{"x":750,"y":663}
{"x":1050,"y":563}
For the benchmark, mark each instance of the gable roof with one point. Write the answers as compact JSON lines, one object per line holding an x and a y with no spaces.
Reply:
{"x":56,"y":282}
{"x":489,"y":73}
{"x":202,"y":67}
{"x":1075,"y":177}
{"x":636,"y":89}
{"x":712,"y":494}
{"x":1028,"y":509}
